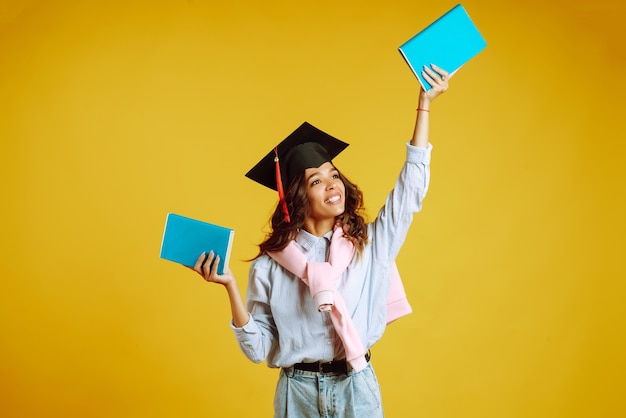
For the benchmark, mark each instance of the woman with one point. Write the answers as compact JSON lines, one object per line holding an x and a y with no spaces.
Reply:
{"x":319,"y":291}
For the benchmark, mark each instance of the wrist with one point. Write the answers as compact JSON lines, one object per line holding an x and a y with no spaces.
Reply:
{"x":423,"y":104}
{"x":231,"y":285}
{"x":423,"y":101}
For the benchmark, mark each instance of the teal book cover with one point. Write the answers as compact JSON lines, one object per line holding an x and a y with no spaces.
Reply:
{"x":184,"y":239}
{"x":448,"y":42}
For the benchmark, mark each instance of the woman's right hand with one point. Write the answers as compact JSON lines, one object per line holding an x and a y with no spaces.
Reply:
{"x":208,"y":269}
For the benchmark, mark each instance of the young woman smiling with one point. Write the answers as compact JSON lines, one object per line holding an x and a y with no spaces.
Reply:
{"x":324,"y":285}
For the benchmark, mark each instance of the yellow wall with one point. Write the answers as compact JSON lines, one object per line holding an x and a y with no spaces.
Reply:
{"x":113,"y":113}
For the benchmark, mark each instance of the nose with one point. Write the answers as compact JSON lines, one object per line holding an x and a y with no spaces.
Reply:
{"x":331,"y":184}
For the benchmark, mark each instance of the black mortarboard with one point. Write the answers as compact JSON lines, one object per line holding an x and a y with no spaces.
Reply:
{"x":306,"y":147}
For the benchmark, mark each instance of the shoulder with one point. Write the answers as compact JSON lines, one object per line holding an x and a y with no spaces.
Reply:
{"x":262,"y":262}
{"x":265,"y":268}
{"x":266,"y":273}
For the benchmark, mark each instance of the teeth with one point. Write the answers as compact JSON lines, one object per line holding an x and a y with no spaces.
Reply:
{"x":333,"y":199}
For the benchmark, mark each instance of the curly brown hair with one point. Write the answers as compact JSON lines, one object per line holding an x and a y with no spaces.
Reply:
{"x":352,"y":219}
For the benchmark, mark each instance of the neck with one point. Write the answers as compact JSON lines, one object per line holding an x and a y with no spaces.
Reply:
{"x":318,"y":228}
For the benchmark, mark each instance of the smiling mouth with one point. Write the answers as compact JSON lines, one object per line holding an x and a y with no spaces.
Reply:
{"x":333,"y":199}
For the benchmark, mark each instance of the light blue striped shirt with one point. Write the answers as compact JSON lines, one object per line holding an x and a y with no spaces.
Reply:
{"x":285,"y":326}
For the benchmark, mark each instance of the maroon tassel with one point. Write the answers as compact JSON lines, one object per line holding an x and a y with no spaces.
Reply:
{"x":279,"y":187}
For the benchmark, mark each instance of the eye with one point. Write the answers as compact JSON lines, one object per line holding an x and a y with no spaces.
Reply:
{"x":336,"y":176}
{"x":314,"y":182}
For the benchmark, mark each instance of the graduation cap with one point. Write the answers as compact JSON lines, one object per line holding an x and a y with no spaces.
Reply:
{"x":306,"y":147}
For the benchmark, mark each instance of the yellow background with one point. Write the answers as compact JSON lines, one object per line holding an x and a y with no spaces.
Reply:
{"x":113,"y":113}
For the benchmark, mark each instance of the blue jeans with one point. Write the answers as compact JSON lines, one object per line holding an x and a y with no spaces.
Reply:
{"x":303,"y":394}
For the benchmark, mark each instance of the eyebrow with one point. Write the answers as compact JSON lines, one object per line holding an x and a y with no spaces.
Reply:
{"x":315,"y":173}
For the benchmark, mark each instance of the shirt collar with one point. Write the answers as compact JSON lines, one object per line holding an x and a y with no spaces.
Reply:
{"x":307,"y":240}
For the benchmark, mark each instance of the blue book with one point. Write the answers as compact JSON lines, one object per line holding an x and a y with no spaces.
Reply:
{"x":184,"y":239}
{"x":448,"y":42}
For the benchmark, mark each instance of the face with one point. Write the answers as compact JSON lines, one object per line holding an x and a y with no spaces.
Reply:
{"x":326,"y":192}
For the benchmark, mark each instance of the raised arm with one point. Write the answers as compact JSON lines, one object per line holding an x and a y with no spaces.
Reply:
{"x":438,"y":79}
{"x":405,"y":199}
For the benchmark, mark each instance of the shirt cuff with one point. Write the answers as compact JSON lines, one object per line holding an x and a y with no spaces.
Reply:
{"x":248,"y":328}
{"x":418,"y":155}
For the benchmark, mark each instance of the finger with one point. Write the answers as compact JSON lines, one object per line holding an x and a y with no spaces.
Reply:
{"x":443,"y":74}
{"x":206,"y":271}
{"x":439,"y":75}
{"x":206,"y":258}
{"x":430,"y":72}
{"x":428,"y":79}
{"x":433,"y":79}
{"x":214,"y":274}
{"x":199,"y":262}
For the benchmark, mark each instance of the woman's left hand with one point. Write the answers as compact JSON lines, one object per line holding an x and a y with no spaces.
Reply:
{"x":438,"y":79}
